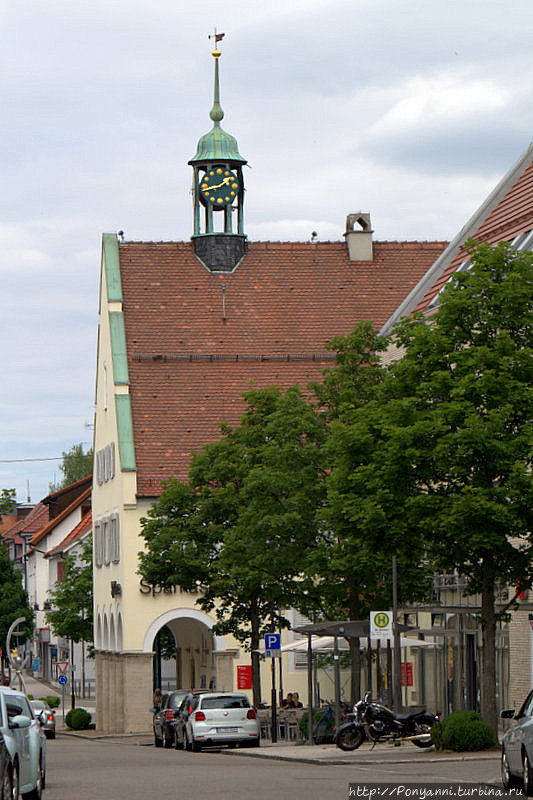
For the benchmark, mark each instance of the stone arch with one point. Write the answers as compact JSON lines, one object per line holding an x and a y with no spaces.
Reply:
{"x":176,"y":614}
{"x":112,"y":638}
{"x":120,"y":632}
{"x":105,"y":636}
{"x":98,"y":639}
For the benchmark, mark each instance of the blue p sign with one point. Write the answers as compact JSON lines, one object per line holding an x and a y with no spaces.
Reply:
{"x":272,"y":641}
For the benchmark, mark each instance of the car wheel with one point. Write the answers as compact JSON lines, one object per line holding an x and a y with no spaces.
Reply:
{"x":50,"y":734}
{"x":167,"y":740}
{"x":157,"y":741}
{"x":15,"y":781}
{"x":195,"y":747}
{"x":509,"y":781}
{"x":177,"y":744}
{"x":188,"y":745}
{"x":7,"y":785}
{"x":527,"y":775}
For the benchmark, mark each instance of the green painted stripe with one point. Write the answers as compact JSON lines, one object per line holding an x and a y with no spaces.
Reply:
{"x":112,"y":267}
{"x":126,"y":448}
{"x":118,"y":348}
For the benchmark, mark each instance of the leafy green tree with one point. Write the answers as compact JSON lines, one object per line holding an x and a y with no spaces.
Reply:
{"x":363,"y":522}
{"x":7,"y":502}
{"x":463,"y":432}
{"x":241,"y":526}
{"x":13,"y":600}
{"x":71,"y":615}
{"x":76,"y":464}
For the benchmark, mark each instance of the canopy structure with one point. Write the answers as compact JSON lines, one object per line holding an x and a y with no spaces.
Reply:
{"x":348,"y":629}
{"x":327,"y":643}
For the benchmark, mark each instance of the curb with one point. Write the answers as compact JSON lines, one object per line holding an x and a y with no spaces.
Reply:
{"x":363,"y":763}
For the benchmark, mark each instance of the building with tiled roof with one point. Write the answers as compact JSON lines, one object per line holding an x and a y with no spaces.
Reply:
{"x":505,"y":216}
{"x":184,"y":329}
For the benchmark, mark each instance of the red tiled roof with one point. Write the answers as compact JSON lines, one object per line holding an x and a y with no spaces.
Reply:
{"x":38,"y":516}
{"x":77,"y":533}
{"x":512,"y":215}
{"x":282,"y":304}
{"x":72,"y":487}
{"x":60,"y":517}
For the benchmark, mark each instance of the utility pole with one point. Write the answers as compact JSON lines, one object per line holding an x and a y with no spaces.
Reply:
{"x":397,"y":683}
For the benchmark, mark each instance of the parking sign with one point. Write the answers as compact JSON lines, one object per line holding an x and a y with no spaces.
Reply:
{"x":273,"y":645}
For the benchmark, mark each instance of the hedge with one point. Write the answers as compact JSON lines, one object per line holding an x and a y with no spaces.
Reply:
{"x":78,"y":719}
{"x":462,"y":730}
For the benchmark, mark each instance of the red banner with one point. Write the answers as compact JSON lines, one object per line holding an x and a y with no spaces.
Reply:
{"x":244,"y":677}
{"x":407,"y":673}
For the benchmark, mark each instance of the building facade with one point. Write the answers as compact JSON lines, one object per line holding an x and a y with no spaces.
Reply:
{"x":184,"y":329}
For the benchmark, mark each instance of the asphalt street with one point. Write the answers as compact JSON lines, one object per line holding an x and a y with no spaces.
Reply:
{"x":130,"y":768}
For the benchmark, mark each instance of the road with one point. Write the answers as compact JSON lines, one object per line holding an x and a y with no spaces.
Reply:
{"x":127,"y":769}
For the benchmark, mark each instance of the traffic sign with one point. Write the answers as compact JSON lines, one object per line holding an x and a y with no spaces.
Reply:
{"x":62,"y":680}
{"x":273,"y":645}
{"x":61,"y":667}
{"x":381,"y":624}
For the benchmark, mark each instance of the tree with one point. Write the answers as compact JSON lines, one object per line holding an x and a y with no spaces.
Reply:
{"x":71,"y":615}
{"x":464,"y":388}
{"x":241,"y":525}
{"x":76,"y":464}
{"x":13,"y":600}
{"x":7,"y":502}
{"x":363,"y":522}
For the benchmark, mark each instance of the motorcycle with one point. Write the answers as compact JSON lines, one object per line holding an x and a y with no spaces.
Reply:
{"x":375,"y":723}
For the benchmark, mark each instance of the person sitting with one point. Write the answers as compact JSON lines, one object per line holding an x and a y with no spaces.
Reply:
{"x":296,"y":700}
{"x":289,"y":701}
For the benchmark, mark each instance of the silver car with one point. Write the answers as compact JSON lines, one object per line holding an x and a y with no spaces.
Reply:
{"x":25,"y":742}
{"x":517,"y":748}
{"x":46,"y":717}
{"x":217,"y":719}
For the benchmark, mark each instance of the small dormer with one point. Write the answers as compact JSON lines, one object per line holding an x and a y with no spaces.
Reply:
{"x":359,"y":239}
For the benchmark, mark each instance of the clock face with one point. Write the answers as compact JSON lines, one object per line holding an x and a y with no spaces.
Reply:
{"x":219,"y":186}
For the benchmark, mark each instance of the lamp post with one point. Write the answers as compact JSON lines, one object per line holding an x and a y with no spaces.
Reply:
{"x":397,"y":683}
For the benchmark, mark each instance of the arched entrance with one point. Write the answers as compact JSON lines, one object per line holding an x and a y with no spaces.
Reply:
{"x":185,"y":650}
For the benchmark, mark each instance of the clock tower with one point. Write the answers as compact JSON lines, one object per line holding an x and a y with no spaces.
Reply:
{"x":219,"y":240}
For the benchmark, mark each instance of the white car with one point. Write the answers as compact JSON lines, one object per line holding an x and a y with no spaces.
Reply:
{"x":25,"y":742}
{"x":217,"y":719}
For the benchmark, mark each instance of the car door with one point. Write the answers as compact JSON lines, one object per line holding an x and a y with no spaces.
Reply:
{"x":524,"y":733}
{"x":17,"y":705}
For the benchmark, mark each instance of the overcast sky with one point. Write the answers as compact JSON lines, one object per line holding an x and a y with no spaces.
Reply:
{"x":409,"y":109}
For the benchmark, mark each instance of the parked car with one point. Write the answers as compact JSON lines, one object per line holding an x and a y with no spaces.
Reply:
{"x":517,"y":748}
{"x":25,"y":743}
{"x":216,"y":719}
{"x":46,"y":717}
{"x":6,"y":771}
{"x":163,"y":722}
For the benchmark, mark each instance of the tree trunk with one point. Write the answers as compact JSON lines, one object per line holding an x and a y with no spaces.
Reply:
{"x":488,"y":659}
{"x":254,"y":642}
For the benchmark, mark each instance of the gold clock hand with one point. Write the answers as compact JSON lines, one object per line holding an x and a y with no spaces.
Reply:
{"x":218,"y":185}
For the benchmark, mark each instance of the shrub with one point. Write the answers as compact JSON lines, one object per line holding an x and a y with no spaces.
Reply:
{"x":52,"y":699}
{"x":78,"y":719}
{"x":462,"y":730}
{"x":30,"y":697}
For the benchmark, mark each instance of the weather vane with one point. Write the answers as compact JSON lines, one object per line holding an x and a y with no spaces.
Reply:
{"x":218,"y":38}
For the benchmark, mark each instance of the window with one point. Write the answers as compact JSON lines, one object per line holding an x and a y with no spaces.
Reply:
{"x":225,"y":702}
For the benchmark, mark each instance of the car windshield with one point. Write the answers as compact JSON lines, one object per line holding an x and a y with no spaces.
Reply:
{"x":38,"y":704}
{"x":226,"y":701}
{"x":176,"y":700}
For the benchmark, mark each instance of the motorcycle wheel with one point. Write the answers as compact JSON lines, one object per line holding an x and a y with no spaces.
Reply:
{"x":350,"y":739}
{"x":423,"y":743}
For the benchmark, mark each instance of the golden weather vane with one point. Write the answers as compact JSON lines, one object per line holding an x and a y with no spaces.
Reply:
{"x":218,"y":38}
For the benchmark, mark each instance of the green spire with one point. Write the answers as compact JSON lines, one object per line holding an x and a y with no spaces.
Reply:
{"x":217,"y":145}
{"x":216,"y":112}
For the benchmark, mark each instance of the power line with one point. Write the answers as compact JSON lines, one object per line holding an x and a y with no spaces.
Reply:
{"x":20,"y":460}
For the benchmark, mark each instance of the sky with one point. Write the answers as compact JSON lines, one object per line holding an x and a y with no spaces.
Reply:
{"x":411,"y":110}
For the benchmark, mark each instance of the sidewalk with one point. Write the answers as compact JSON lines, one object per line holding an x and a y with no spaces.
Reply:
{"x":41,"y":689}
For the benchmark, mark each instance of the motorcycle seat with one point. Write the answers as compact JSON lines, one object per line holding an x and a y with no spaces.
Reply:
{"x":409,"y":715}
